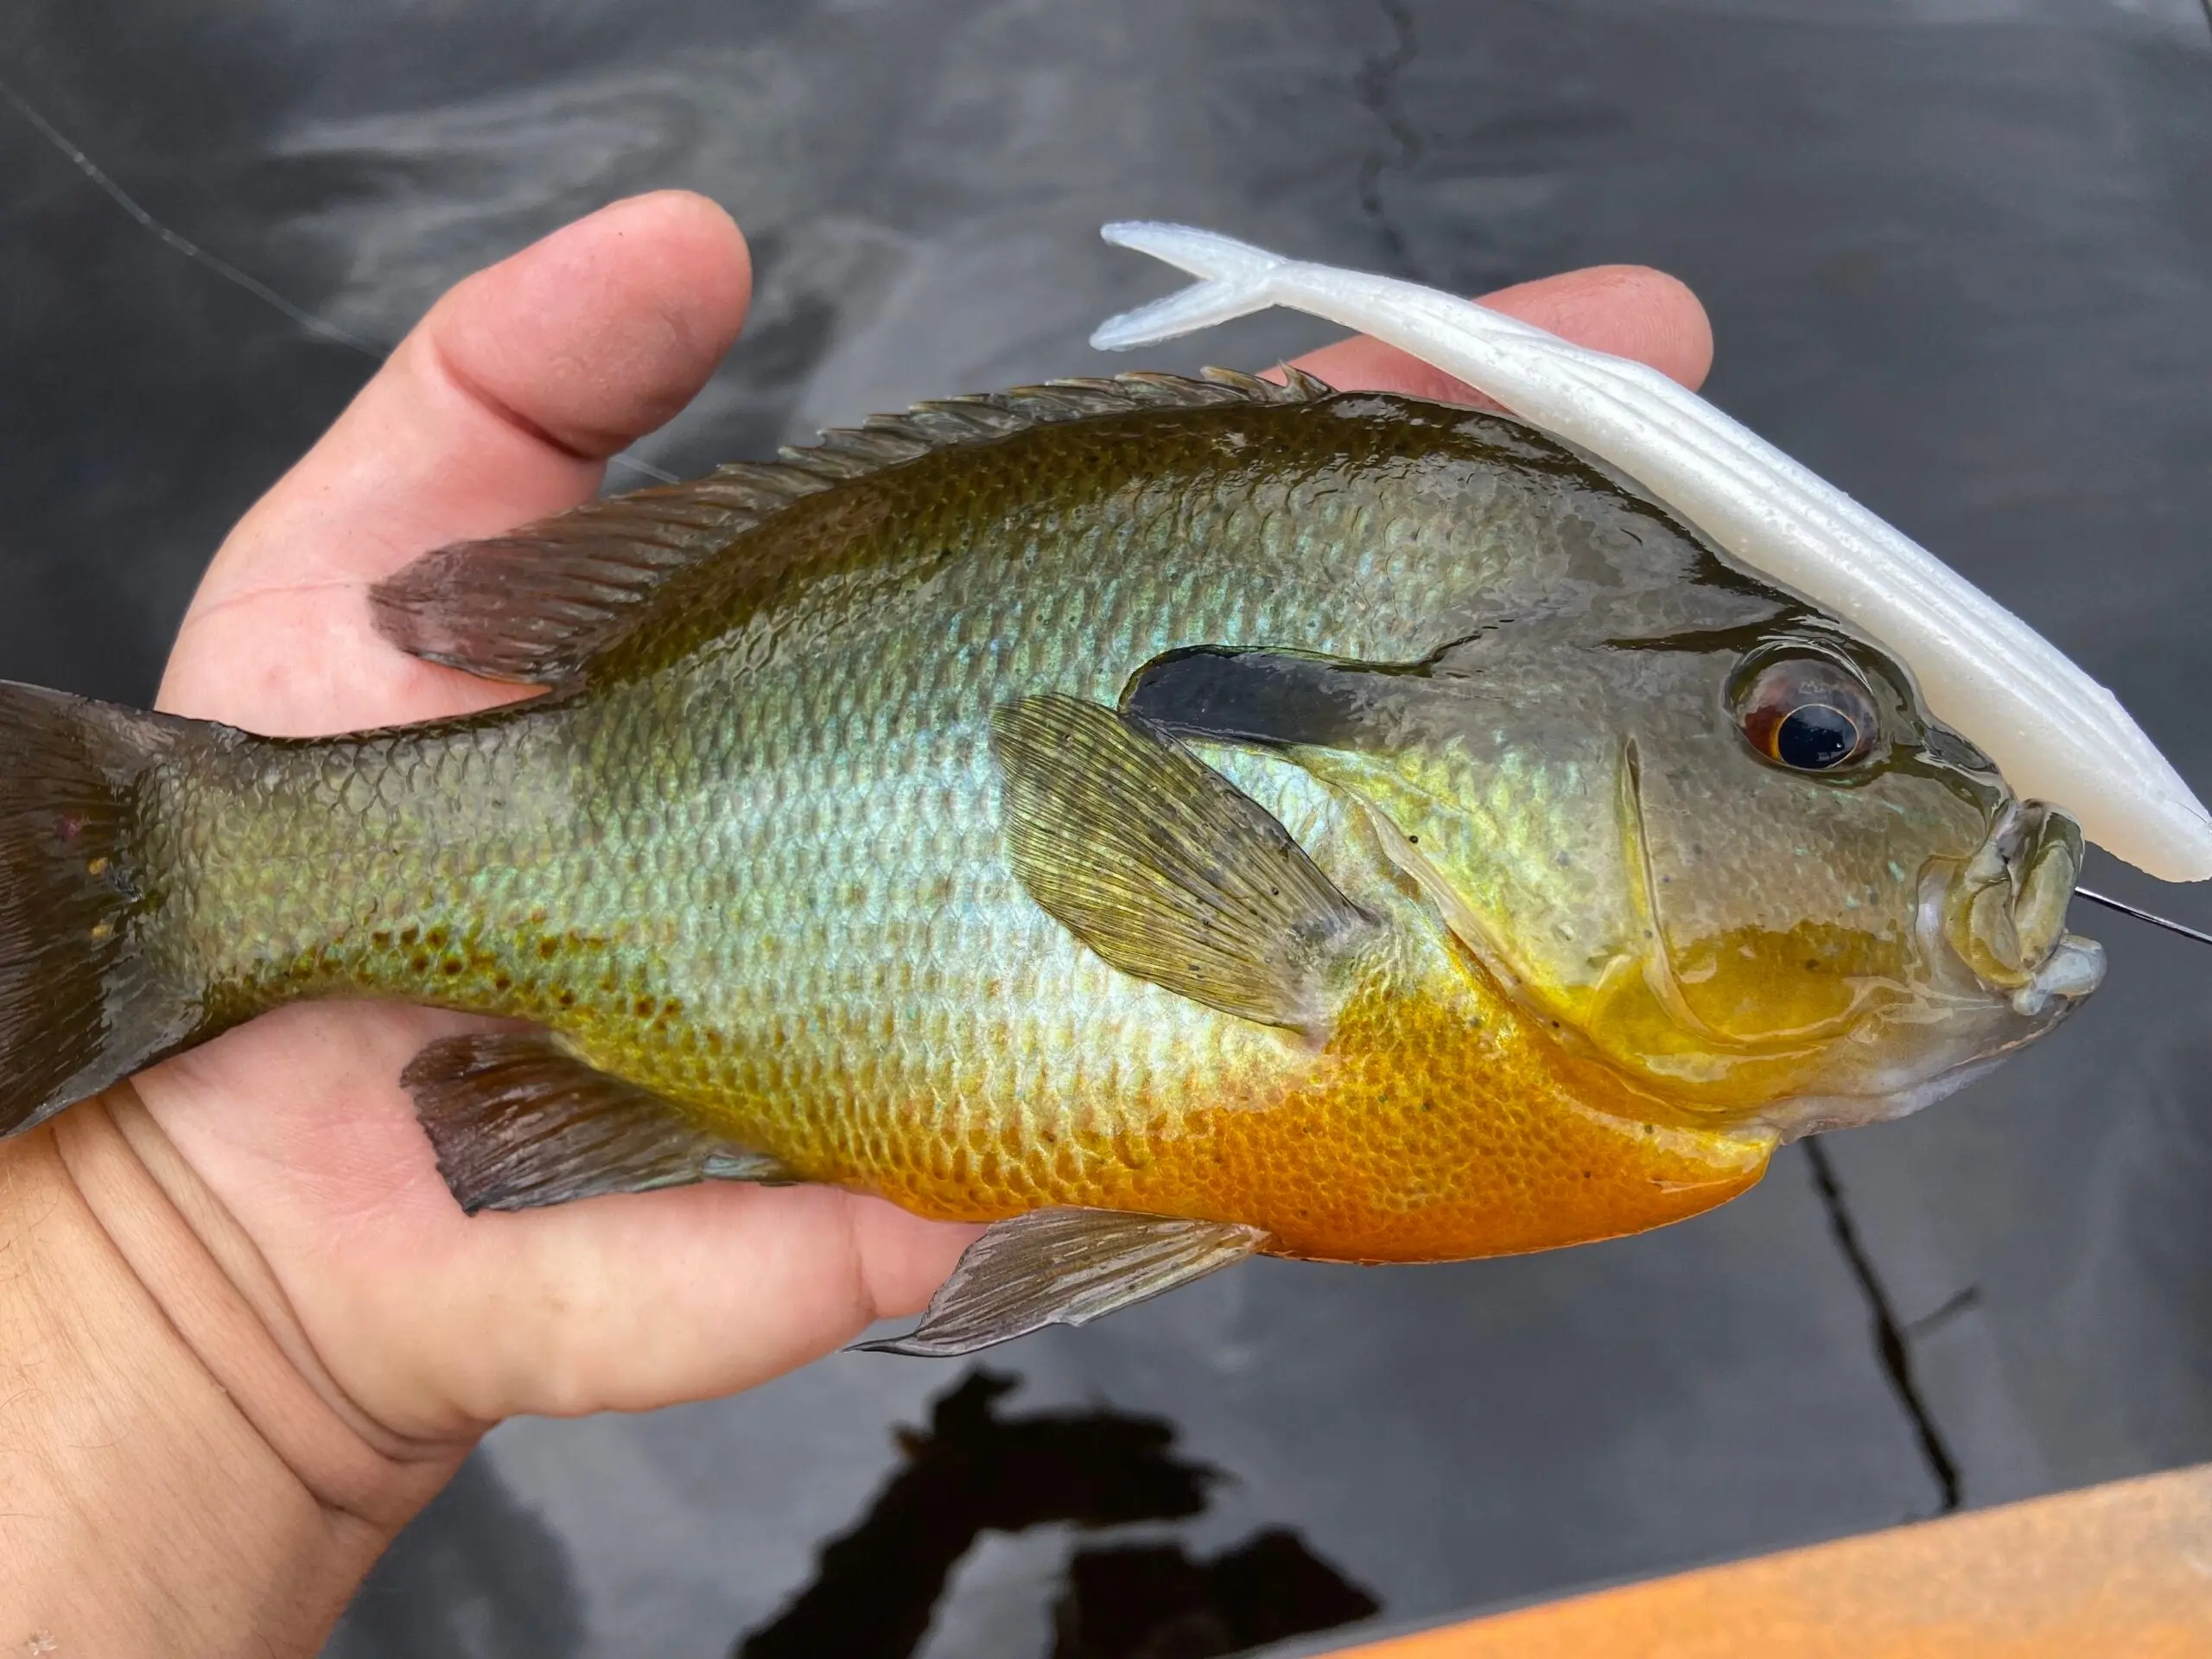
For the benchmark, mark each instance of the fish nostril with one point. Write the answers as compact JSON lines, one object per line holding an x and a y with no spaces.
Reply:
{"x":1946,"y":748}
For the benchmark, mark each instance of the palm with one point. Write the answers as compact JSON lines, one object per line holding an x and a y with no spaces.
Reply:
{"x":499,"y":408}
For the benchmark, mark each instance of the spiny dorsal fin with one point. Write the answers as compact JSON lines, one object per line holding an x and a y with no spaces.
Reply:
{"x":538,"y":603}
{"x":1166,"y":868}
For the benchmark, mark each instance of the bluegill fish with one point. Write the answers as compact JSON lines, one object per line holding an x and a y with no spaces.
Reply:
{"x":1171,"y":818}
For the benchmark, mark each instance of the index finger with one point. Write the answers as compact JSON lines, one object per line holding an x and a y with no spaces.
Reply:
{"x":1628,"y":310}
{"x":500,"y":407}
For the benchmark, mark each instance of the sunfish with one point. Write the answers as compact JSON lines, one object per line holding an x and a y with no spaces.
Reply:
{"x":1169,"y":819}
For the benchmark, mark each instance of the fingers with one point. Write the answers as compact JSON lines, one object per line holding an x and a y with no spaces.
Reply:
{"x":648,"y":1298}
{"x":1628,"y":310}
{"x":497,"y":408}
{"x":500,"y":404}
{"x":437,"y":1324}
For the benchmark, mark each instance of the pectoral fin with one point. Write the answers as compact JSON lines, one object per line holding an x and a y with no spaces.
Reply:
{"x":517,"y":1120}
{"x":1164,"y":867}
{"x":1064,"y":1267}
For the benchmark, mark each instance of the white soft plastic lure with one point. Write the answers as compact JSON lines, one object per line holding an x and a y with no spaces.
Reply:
{"x":2056,"y":734}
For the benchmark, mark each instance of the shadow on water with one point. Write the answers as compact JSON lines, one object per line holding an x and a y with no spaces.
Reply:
{"x":478,"y":1575}
{"x":876,"y":1588}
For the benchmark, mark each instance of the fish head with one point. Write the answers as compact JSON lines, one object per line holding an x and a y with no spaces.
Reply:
{"x":1747,"y":867}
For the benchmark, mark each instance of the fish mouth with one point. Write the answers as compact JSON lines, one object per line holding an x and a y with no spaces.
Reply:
{"x":2003,"y":911}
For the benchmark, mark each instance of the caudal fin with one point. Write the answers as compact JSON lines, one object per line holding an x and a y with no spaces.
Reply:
{"x":80,"y":1005}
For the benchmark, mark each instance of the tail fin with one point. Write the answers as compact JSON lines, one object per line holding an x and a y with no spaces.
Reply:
{"x":80,"y":1005}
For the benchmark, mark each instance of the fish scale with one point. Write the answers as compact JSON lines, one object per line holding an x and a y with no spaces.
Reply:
{"x":811,"y":885}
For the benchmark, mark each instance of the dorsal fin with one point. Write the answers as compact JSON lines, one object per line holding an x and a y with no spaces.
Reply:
{"x":536,"y":604}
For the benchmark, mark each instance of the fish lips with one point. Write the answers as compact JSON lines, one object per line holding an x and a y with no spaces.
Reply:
{"x":2001,"y":915}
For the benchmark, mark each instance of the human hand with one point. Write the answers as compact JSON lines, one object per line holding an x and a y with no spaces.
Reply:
{"x":245,"y":1330}
{"x":421,"y":1327}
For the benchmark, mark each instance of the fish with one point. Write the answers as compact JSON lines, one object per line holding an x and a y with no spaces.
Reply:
{"x":1166,"y":819}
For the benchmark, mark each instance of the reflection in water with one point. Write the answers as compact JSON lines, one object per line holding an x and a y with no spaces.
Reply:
{"x":1152,"y":1601}
{"x":477,"y":1576}
{"x":876,"y":1588}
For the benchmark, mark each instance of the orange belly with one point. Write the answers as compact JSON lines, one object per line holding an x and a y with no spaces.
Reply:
{"x":1442,"y":1121}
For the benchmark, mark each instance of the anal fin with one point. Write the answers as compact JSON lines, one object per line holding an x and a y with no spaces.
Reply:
{"x":519,"y":1120}
{"x":1064,"y":1267}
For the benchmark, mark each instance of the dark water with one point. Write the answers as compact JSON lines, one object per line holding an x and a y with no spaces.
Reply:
{"x":1959,"y":254}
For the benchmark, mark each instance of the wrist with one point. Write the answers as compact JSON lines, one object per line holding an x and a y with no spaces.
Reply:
{"x":181,"y":1476}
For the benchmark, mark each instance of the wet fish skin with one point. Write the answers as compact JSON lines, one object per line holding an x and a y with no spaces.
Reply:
{"x":2060,"y":734}
{"x":751,"y":860}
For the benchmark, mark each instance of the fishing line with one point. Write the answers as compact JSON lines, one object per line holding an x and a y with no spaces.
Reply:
{"x":299,"y":316}
{"x":2140,"y":915}
{"x":185,"y":246}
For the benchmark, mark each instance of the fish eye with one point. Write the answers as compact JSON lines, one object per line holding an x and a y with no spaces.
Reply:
{"x":1808,"y":713}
